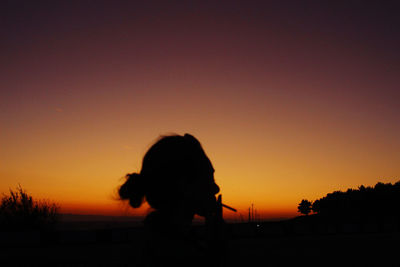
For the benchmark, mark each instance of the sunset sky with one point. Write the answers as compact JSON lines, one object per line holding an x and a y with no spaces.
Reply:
{"x":289,"y":100}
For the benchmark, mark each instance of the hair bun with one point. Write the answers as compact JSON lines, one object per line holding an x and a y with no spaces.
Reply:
{"x":133,"y":189}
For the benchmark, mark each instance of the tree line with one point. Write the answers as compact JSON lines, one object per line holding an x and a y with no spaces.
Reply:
{"x":365,"y":202}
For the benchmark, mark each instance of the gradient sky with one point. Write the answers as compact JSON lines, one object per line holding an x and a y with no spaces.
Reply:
{"x":289,"y":100}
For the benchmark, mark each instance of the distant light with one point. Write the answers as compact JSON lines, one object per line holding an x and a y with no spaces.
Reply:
{"x":258,"y":225}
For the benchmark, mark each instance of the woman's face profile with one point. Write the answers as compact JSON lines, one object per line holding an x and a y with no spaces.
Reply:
{"x":201,"y":192}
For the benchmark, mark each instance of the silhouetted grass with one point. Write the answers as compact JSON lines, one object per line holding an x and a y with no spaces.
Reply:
{"x":19,"y":211}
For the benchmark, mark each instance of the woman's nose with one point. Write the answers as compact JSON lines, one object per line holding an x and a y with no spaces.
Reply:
{"x":215,"y":188}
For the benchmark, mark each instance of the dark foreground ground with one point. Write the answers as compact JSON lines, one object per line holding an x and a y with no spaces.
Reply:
{"x":327,"y":250}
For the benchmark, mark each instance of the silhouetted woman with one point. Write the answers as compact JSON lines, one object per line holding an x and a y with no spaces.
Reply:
{"x":177,"y":181}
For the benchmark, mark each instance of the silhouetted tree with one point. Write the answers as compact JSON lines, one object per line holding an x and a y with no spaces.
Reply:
{"x":376,"y":202}
{"x":316,"y":206}
{"x":304,"y":207}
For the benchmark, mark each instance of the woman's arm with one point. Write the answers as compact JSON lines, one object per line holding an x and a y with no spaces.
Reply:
{"x":216,"y":235}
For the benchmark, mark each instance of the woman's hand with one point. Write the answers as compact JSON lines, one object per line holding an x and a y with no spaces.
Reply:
{"x":215,"y":219}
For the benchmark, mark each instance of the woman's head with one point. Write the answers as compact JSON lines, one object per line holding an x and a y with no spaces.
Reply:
{"x":175,"y":171}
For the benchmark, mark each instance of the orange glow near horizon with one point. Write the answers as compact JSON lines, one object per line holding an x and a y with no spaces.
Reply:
{"x":287,"y":104}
